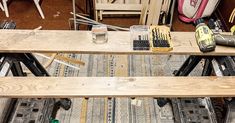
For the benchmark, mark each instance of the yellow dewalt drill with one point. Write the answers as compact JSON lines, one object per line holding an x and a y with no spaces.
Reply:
{"x":204,"y":36}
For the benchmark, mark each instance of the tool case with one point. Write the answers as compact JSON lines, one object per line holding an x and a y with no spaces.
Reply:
{"x":160,"y":39}
{"x":155,"y":38}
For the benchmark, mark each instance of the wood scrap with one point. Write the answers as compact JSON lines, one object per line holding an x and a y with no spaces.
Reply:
{"x":232,"y":16}
{"x":154,"y":12}
{"x":48,"y":63}
{"x":66,"y":59}
{"x":1,"y":7}
{"x":58,"y":61}
{"x":144,"y":11}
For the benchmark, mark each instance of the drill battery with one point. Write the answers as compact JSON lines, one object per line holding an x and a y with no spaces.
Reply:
{"x":204,"y":37}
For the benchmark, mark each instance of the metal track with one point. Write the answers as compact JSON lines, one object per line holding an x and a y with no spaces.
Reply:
{"x":196,"y":110}
{"x":230,"y":118}
{"x":33,"y":111}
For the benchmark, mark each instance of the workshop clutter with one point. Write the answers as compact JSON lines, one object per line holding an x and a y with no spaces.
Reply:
{"x":150,"y":11}
{"x":7,"y":25}
{"x":191,"y":10}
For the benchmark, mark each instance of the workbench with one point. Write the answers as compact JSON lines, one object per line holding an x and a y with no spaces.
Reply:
{"x":28,"y":41}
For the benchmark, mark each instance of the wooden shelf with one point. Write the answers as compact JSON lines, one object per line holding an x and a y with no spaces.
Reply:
{"x":45,"y":41}
{"x":58,"y":87}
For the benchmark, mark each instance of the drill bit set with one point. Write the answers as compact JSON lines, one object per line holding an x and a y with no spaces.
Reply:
{"x":140,"y":37}
{"x":155,"y":38}
{"x":160,"y":38}
{"x":142,"y":43}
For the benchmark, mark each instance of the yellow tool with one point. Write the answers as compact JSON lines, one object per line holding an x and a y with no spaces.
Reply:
{"x":233,"y":30}
{"x":204,"y":37}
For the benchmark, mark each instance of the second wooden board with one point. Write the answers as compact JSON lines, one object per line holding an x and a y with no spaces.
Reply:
{"x":59,"y":87}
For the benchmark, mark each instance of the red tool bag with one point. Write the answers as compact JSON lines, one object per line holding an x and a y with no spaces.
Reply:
{"x":191,"y":10}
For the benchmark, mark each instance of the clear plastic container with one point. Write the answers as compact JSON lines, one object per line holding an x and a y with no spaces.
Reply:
{"x":139,"y":32}
{"x":99,"y":34}
{"x":139,"y":35}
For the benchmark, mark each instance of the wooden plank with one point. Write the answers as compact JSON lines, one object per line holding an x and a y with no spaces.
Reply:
{"x":121,"y":12}
{"x":132,"y":1}
{"x":70,"y":60}
{"x":130,"y":7}
{"x":144,"y":10}
{"x":46,"y":41}
{"x":58,"y":87}
{"x":154,"y":12}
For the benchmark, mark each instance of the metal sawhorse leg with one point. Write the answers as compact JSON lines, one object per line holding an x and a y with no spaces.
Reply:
{"x":224,"y":64}
{"x":13,"y":61}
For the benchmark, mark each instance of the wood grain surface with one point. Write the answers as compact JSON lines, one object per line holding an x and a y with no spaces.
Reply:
{"x":49,"y":41}
{"x":117,"y":87}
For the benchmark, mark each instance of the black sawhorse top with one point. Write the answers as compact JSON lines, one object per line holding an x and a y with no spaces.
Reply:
{"x":13,"y":62}
{"x":226,"y":66}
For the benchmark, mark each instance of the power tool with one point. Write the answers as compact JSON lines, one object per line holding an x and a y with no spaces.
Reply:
{"x":233,"y":30}
{"x":226,"y":40}
{"x":221,"y":39}
{"x":204,"y":36}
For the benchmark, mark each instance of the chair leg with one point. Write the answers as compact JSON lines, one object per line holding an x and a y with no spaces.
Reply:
{"x":101,"y":15}
{"x":96,"y":15}
{"x":39,"y":8}
{"x":5,"y":7}
{"x":1,"y":7}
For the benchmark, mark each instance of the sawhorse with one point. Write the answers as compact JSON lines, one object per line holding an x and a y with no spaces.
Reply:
{"x":12,"y":62}
{"x":225,"y":65}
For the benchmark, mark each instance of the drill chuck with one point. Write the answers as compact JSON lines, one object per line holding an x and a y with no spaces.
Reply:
{"x":226,"y":40}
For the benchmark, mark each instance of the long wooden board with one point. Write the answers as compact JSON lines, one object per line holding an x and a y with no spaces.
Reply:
{"x":117,"y":87}
{"x":45,"y":41}
{"x":121,"y":7}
